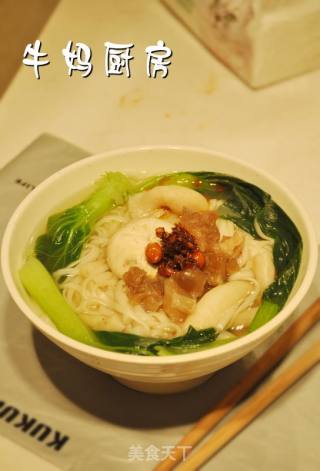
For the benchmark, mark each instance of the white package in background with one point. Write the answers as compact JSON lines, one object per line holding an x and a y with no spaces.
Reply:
{"x":81,"y":419}
{"x":262,"y":41}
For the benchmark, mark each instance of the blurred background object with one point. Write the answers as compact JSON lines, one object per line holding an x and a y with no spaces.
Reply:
{"x":262,"y":41}
{"x":20,"y":23}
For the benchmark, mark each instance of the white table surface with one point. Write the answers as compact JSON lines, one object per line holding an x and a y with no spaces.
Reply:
{"x":201,"y":103}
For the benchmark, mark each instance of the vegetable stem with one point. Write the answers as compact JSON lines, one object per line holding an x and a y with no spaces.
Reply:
{"x":112,"y":190}
{"x":265,"y":313}
{"x":41,"y":287}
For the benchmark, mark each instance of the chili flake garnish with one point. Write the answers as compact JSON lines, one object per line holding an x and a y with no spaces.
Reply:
{"x":178,"y":250}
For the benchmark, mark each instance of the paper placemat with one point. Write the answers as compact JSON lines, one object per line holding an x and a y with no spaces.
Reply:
{"x":79,"y":418}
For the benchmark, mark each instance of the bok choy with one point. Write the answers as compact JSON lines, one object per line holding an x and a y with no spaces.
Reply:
{"x":68,"y":230}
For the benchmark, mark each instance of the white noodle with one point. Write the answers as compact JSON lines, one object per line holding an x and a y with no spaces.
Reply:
{"x":99,"y":296}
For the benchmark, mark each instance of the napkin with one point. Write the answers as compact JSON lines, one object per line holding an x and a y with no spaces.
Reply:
{"x":79,"y":418}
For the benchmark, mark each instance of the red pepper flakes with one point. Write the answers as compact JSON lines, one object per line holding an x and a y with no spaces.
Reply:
{"x":179,"y":251}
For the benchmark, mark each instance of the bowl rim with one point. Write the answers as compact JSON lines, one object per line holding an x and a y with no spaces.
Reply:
{"x":250,"y":338}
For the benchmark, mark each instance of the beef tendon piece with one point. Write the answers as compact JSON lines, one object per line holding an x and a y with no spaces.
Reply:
{"x":219,"y":266}
{"x":143,"y":290}
{"x":177,"y":303}
{"x":202,"y":225}
{"x":192,"y":281}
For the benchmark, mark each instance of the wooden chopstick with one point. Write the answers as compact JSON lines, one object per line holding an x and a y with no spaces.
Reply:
{"x":253,"y":407}
{"x":260,"y":369}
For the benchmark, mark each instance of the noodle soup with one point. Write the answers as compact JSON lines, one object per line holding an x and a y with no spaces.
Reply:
{"x":171,"y":264}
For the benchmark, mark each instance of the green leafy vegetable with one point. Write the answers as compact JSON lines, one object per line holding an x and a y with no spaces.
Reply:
{"x":265,"y":313}
{"x":286,"y":253}
{"x":68,"y":230}
{"x":193,"y":340}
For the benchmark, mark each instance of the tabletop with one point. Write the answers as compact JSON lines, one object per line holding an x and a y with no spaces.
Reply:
{"x":200,"y":103}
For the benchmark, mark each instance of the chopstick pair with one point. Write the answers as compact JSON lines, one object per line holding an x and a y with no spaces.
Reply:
{"x":253,"y":406}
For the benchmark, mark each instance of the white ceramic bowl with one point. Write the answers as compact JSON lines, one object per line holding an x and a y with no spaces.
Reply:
{"x":149,"y":374}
